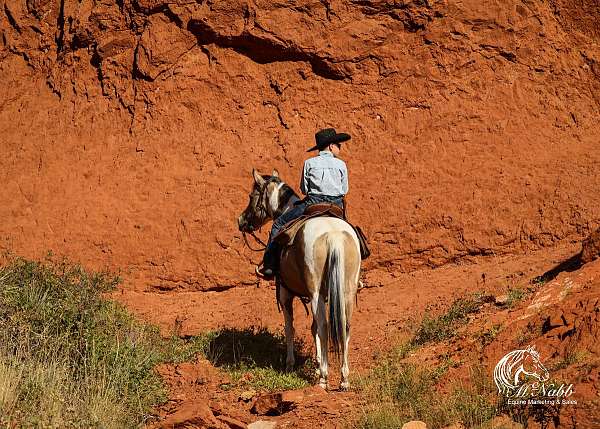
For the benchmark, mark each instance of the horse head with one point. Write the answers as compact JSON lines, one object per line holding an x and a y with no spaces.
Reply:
{"x":261,"y":205}
{"x":532,"y":365}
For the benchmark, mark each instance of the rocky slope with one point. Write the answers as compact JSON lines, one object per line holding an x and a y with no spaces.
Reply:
{"x":129,"y":128}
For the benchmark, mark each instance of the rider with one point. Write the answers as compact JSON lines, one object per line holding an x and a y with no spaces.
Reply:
{"x":324,"y":180}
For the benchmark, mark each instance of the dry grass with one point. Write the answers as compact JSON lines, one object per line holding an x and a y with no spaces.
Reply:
{"x":69,"y":358}
{"x":398,"y":392}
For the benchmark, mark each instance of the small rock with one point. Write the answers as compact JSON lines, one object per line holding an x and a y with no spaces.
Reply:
{"x":415,"y":424}
{"x":292,"y":396}
{"x":553,"y":321}
{"x":191,"y":413}
{"x":262,"y":424}
{"x":269,"y":405}
{"x":501,"y":300}
{"x":232,"y":423}
{"x":504,"y":422}
{"x":274,"y":404}
{"x":314,"y":391}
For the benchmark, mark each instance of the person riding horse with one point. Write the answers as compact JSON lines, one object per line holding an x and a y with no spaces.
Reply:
{"x":321,"y":263}
{"x":324,"y":180}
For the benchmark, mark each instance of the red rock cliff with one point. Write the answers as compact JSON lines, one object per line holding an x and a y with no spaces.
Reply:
{"x":129,"y":128}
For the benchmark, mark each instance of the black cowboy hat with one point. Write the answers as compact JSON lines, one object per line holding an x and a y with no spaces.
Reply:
{"x":328,"y":136}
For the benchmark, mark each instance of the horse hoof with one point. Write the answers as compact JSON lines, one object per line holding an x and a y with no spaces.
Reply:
{"x":323,"y":384}
{"x":345,"y":385}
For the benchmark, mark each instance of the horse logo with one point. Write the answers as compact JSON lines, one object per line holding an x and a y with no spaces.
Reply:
{"x":511,"y":367}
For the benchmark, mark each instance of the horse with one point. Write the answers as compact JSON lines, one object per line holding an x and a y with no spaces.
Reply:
{"x":322,"y":264}
{"x":509,"y":369}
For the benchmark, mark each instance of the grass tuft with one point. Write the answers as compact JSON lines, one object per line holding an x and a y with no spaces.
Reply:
{"x":487,"y":336}
{"x":516,"y":295}
{"x":571,"y":357}
{"x":444,"y":327}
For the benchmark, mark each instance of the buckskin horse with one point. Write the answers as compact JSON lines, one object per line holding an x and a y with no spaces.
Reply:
{"x":322,"y":265}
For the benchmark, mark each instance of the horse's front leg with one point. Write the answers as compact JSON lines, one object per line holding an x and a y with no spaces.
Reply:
{"x":287,"y":304}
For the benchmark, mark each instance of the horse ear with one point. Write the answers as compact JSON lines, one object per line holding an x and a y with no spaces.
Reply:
{"x":257,"y":178}
{"x":275,"y":173}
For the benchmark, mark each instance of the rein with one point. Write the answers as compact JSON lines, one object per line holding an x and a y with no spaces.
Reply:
{"x":258,"y":240}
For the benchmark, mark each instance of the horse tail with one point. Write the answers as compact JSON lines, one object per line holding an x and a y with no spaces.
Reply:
{"x":335,"y":283}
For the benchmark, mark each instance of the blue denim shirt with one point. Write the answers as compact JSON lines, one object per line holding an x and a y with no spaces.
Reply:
{"x":324,"y":175}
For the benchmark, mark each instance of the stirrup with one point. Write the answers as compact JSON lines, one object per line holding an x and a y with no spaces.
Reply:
{"x":262,"y":275}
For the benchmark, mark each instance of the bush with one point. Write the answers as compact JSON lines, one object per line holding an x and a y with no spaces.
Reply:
{"x":69,"y":358}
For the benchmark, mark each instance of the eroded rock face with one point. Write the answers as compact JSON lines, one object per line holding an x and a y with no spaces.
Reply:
{"x":130,"y":128}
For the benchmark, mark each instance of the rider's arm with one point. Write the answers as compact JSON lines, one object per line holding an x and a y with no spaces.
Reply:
{"x":303,"y":180}
{"x":344,"y":172}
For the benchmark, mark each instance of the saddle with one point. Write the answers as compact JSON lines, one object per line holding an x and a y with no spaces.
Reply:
{"x":324,"y":209}
{"x":288,"y":233}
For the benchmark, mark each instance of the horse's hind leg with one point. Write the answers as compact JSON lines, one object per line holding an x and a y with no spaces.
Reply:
{"x":320,"y":318}
{"x":287,"y":304}
{"x":345,"y":384}
{"x":350,"y":297}
{"x":315,"y":333}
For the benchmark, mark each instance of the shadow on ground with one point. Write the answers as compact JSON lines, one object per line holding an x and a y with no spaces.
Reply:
{"x":255,"y":347}
{"x":569,"y":265}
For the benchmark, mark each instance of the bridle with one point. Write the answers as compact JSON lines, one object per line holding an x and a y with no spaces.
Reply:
{"x":263,"y":214}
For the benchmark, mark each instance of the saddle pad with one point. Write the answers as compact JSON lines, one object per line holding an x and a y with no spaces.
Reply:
{"x":286,"y":236}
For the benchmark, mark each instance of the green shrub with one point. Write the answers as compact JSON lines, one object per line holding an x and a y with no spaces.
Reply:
{"x":69,"y":358}
{"x":515,"y":295}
